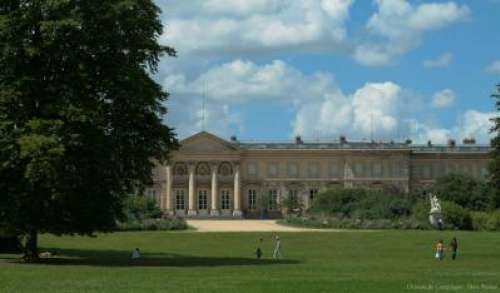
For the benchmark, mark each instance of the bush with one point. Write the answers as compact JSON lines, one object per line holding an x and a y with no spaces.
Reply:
{"x":362,"y":203}
{"x":164,"y":224}
{"x":494,"y":221}
{"x":456,"y":217}
{"x":138,"y":208}
{"x":480,"y":221}
{"x":331,"y":222}
{"x":467,"y":191}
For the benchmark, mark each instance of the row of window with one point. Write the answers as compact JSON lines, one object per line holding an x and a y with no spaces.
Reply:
{"x":180,"y":199}
{"x":225,"y":198}
{"x":336,"y":170}
{"x":436,"y":170}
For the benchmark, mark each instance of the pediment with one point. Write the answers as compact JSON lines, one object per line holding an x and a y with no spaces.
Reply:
{"x":204,"y":142}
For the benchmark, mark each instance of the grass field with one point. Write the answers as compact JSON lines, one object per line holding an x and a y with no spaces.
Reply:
{"x":388,"y":261}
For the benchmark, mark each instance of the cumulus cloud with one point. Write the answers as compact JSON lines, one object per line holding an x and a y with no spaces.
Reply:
{"x":397,"y":27}
{"x":242,"y":81}
{"x":494,"y":67}
{"x":474,"y":124}
{"x":241,"y":26}
{"x":440,"y":61}
{"x":381,"y":110}
{"x":443,"y":99}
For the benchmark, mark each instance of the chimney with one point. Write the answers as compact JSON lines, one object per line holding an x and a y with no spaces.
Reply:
{"x":298,"y":140}
{"x":469,"y":140}
{"x":234,"y":139}
{"x":451,"y":143}
{"x":429,"y":143}
{"x":408,"y":141}
{"x":343,"y":139}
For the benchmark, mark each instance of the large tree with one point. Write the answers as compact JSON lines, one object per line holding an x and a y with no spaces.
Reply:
{"x":495,"y":144}
{"x":81,"y":119}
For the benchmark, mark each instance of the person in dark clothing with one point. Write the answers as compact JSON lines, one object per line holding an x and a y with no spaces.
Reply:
{"x":454,"y":248}
{"x":258,"y":252}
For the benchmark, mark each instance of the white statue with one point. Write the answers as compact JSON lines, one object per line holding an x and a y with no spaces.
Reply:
{"x":435,"y":214}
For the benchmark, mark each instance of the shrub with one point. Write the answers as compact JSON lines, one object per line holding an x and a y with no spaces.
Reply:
{"x":494,"y":221}
{"x":323,"y":221}
{"x":362,"y":203}
{"x":163,"y":224}
{"x":421,"y":210}
{"x":455,"y":216}
{"x":480,"y":221}
{"x":467,"y":191}
{"x":139,"y":207}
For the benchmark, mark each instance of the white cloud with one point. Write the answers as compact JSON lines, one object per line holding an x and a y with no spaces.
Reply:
{"x":474,"y":124}
{"x":440,"y":61}
{"x":381,"y":110}
{"x":443,"y":99}
{"x":224,"y":26}
{"x":242,"y":28}
{"x":371,"y":110}
{"x":397,"y":27}
{"x":494,"y":67}
{"x":241,"y":81}
{"x":188,"y":116}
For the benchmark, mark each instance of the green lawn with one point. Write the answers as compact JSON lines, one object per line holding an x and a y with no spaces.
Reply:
{"x":388,"y":261}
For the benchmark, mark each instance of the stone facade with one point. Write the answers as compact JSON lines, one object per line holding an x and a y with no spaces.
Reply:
{"x":212,"y":177}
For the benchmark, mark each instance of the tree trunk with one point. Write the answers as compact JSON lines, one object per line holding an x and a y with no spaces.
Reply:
{"x":31,"y":247}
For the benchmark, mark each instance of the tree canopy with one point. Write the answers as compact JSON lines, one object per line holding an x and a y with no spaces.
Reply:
{"x":495,"y":144}
{"x":81,"y":118}
{"x":467,"y":191}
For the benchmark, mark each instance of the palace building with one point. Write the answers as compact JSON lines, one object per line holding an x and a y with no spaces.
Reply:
{"x":212,"y":177}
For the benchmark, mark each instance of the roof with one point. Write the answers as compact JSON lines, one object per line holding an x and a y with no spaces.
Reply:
{"x":348,"y":145}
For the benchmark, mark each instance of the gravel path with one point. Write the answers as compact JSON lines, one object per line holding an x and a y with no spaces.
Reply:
{"x":247,"y":226}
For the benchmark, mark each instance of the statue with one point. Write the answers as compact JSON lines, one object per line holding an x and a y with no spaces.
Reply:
{"x":435,"y":214}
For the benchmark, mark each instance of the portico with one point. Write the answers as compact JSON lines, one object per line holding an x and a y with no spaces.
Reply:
{"x":213,"y":189}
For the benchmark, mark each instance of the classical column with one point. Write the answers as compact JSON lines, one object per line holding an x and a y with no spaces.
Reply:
{"x":237,"y":204}
{"x":191,"y":191}
{"x":168,"y":191}
{"x":214,"y":211}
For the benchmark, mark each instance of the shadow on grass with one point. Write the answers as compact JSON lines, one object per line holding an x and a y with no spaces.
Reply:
{"x":118,"y":258}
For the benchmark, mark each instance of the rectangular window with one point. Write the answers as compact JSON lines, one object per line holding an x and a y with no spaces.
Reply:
{"x":252,"y":199}
{"x":359,"y":169}
{"x":377,"y":170}
{"x":272,"y":170}
{"x":293,"y":197}
{"x":396,"y":170}
{"x":334,"y":170}
{"x":313,"y":170}
{"x":293,"y":170}
{"x":225,"y":200}
{"x":252,"y":169}
{"x":179,"y":199}
{"x":202,"y":199}
{"x":273,"y":199}
{"x":426,"y":172}
{"x":312,"y":193}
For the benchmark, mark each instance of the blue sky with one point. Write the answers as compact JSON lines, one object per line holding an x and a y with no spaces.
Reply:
{"x":383,"y":69}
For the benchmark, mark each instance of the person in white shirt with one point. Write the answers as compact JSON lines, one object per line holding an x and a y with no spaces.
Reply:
{"x":277,"y":248}
{"x":136,"y":254}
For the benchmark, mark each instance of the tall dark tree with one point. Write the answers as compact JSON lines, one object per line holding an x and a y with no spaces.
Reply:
{"x":80,"y":115}
{"x":495,"y":144}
